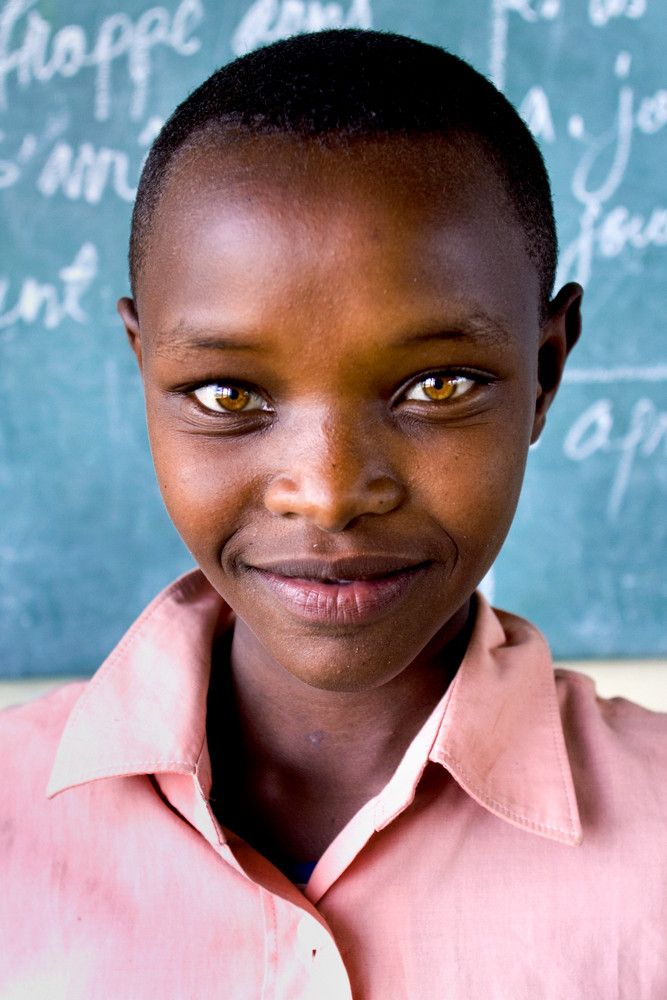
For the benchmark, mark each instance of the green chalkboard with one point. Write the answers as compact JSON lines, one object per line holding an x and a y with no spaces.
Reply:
{"x":84,"y":541}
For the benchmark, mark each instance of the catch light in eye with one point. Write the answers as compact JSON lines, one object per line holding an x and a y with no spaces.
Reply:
{"x":228,"y":398}
{"x":439,"y":388}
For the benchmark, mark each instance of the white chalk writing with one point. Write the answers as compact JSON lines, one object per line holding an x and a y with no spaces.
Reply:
{"x":593,"y":432}
{"x":269,"y":20}
{"x":602,"y":11}
{"x":536,"y":112}
{"x":529,"y":10}
{"x":604,"y":229}
{"x":652,"y":112}
{"x":619,"y":373}
{"x":85,"y":173}
{"x":48,"y":302}
{"x":39,"y":55}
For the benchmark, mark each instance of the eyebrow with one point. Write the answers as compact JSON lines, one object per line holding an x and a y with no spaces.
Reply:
{"x":477,"y":327}
{"x":183,"y":338}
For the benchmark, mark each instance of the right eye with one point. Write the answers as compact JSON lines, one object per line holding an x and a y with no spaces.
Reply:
{"x":226,"y":397}
{"x":439,"y":387}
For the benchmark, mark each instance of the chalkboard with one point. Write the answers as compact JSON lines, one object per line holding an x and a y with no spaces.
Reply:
{"x":84,"y":541}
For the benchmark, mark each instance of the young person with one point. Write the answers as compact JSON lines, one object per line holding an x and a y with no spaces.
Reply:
{"x":321,"y":765}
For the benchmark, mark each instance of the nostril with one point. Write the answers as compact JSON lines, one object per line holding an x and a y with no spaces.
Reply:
{"x":334,"y":499}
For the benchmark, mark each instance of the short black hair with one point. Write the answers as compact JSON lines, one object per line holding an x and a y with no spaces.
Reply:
{"x":346,"y":84}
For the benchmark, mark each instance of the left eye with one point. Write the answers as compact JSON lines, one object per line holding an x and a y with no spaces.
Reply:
{"x":439,"y":388}
{"x":229,"y":398}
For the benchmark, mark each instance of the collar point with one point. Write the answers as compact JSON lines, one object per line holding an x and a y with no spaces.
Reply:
{"x":568,"y":833}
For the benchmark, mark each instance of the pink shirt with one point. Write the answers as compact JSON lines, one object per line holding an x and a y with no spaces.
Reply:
{"x":519,"y":852}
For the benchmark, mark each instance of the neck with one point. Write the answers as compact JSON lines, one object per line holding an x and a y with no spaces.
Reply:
{"x":316,"y":753}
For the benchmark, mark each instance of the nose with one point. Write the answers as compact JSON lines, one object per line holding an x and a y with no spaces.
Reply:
{"x":331,"y":475}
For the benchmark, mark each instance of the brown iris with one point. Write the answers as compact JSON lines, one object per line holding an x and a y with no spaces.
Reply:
{"x":438,"y":388}
{"x":232,"y":397}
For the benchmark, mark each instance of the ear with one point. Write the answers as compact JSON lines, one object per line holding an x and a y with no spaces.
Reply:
{"x":127,"y":310}
{"x":558,"y":335}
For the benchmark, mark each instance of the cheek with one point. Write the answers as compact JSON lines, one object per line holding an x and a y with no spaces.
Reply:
{"x":206,"y":490}
{"x":471,"y":486}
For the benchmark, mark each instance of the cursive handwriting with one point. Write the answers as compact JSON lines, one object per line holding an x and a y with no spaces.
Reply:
{"x":606,"y":228}
{"x":269,"y":20}
{"x":601,"y":12}
{"x":531,"y":11}
{"x":85,"y":173}
{"x":48,"y":302}
{"x":594,"y":431}
{"x":39,"y":55}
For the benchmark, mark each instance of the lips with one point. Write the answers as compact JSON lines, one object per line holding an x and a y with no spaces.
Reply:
{"x":342,"y":591}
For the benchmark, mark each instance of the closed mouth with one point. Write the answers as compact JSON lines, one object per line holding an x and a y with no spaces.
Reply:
{"x":341,"y":570}
{"x":340,"y":592}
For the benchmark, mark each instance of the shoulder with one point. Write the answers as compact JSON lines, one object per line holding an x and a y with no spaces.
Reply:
{"x":617,"y":720}
{"x":30,"y":733}
{"x":43,"y":712}
{"x":618,"y":754}
{"x":29,"y":738}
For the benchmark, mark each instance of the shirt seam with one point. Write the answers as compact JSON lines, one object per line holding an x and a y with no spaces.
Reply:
{"x":447,"y":758}
{"x":129,"y":769}
{"x":271,"y":951}
{"x":450,"y":714}
{"x":556,"y":727}
{"x":382,"y":818}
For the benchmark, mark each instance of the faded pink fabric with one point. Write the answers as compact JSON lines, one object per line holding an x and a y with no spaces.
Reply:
{"x":519,"y":852}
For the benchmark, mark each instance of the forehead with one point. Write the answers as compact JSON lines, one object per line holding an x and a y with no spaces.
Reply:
{"x":415,"y":222}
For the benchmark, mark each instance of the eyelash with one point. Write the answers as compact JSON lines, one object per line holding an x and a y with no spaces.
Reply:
{"x":454,"y":380}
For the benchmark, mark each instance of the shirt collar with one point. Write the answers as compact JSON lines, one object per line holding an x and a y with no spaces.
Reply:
{"x":144,"y":711}
{"x":501,"y":734}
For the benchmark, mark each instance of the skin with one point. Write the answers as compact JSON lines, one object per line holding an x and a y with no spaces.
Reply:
{"x":329,"y":284}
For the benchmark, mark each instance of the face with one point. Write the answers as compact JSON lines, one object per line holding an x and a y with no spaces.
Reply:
{"x":344,"y":368}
